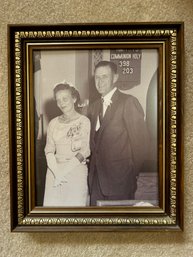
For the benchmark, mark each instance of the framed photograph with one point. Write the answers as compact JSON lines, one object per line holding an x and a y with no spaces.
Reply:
{"x":96,"y":127}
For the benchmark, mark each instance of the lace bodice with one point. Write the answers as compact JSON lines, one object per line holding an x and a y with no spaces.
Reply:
{"x":65,"y":140}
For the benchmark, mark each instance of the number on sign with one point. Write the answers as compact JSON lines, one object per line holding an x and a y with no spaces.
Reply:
{"x":127,"y":70}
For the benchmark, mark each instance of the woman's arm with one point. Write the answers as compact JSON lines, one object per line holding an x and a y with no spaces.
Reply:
{"x":50,"y":150}
{"x":85,"y":144}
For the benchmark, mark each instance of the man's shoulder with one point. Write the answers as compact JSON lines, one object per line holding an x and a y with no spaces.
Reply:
{"x":125,"y":96}
{"x":129,"y":101}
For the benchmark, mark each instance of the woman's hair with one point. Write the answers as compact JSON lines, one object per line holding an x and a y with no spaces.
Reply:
{"x":74,"y":92}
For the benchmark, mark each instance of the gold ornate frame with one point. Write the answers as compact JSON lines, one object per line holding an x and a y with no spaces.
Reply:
{"x":25,"y":216}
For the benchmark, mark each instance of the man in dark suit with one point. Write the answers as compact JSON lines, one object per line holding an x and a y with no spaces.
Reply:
{"x":118,"y":139}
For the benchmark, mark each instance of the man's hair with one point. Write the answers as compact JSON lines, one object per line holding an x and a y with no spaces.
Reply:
{"x":109,"y":64}
{"x":74,"y":92}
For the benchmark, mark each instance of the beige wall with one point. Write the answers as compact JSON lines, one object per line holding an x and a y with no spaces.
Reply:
{"x":56,"y":67}
{"x":96,"y":244}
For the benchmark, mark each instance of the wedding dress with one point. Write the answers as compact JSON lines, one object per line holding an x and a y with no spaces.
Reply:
{"x":64,"y":141}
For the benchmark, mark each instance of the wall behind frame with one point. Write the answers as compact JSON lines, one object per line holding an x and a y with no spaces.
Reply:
{"x":95,"y":244}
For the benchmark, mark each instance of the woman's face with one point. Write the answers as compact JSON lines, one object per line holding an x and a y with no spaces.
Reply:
{"x":65,"y":101}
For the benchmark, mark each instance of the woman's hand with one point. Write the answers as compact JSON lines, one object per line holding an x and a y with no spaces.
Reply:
{"x":60,"y":175}
{"x":59,"y":181}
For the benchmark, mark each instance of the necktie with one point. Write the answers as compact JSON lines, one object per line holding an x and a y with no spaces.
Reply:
{"x":101,"y":111}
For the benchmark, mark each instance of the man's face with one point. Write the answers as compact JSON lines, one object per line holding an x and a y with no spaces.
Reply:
{"x":104,"y":80}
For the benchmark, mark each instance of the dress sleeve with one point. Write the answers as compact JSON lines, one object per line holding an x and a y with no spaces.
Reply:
{"x":50,"y":144}
{"x":50,"y":149}
{"x":85,"y":144}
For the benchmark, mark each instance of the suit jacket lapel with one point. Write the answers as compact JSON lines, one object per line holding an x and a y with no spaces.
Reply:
{"x":110,"y":111}
{"x":94,"y":121}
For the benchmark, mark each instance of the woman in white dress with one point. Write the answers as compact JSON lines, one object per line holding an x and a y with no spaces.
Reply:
{"x":67,"y":148}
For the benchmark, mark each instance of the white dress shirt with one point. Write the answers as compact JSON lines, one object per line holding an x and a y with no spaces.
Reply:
{"x":106,"y":102}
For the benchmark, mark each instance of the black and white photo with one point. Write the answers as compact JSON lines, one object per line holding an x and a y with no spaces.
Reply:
{"x":120,"y":152}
